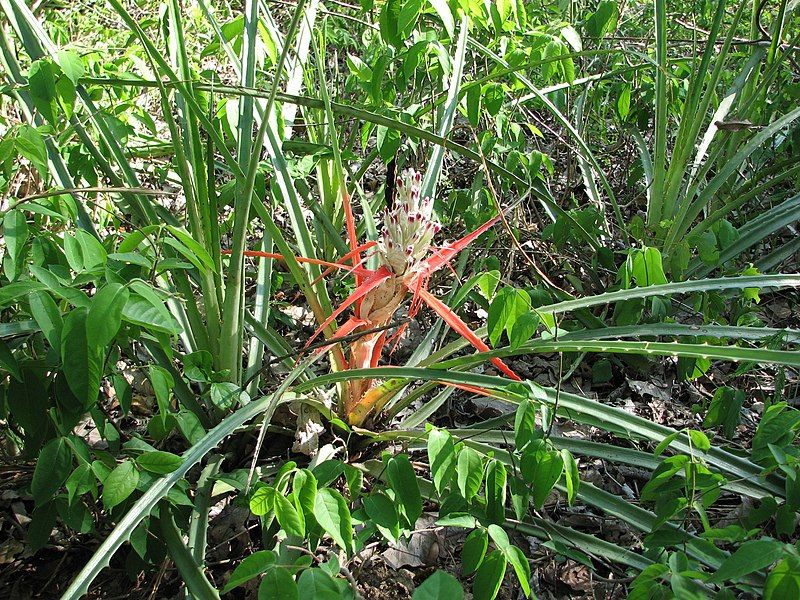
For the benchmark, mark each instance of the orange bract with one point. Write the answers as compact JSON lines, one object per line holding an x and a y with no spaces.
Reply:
{"x":408,"y":261}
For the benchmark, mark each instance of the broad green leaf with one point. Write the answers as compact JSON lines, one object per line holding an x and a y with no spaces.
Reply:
{"x":47,"y":316}
{"x":162,"y":383}
{"x":749,"y":557}
{"x":523,"y":328}
{"x":288,"y":517}
{"x":784,"y":580}
{"x":105,"y":314}
{"x":120,"y":484}
{"x":489,"y":577}
{"x":524,"y":423}
{"x":504,"y":310}
{"x":332,"y":513}
{"x":648,"y":267}
{"x":278,"y":584}
{"x":82,"y":360}
{"x":159,"y":462}
{"x":496,"y":477}
{"x":470,"y":472}
{"x":145,"y":308}
{"x":71,"y":65}
{"x":30,"y":144}
{"x":93,"y":253}
{"x":473,"y":100}
{"x":473,"y":551}
{"x":383,"y":512}
{"x":407,"y":19}
{"x":52,"y":469}
{"x":403,"y":481}
{"x":80,"y":481}
{"x":439,"y":586}
{"x":15,"y":232}
{"x":571,"y":475}
{"x":389,"y":21}
{"x":262,"y":500}
{"x":499,"y":537}
{"x":317,"y":584}
{"x":699,"y":440}
{"x":521,"y":566}
{"x":252,"y":566}
{"x":442,"y":458}
{"x":542,"y":469}
{"x":42,"y":88}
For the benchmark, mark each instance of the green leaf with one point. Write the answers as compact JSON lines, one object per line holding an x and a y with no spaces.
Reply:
{"x":30,"y":144}
{"x":663,"y":444}
{"x":403,"y":481}
{"x":316,"y":583}
{"x":439,"y":586}
{"x":473,"y":551}
{"x":442,"y":458}
{"x":159,"y":462}
{"x":145,"y":308}
{"x":15,"y":232}
{"x":541,"y":468}
{"x":52,"y":469}
{"x":162,"y":383}
{"x":524,"y":423}
{"x":504,"y":310}
{"x":199,"y":256}
{"x":47,"y":316}
{"x":252,"y":566}
{"x":9,"y":362}
{"x":624,"y":102}
{"x":288,"y":517}
{"x":784,"y":580}
{"x":262,"y":500}
{"x":332,"y":513}
{"x":473,"y":99}
{"x":278,"y":584}
{"x":82,"y":360}
{"x":120,"y":484}
{"x":71,"y":65}
{"x":571,"y":475}
{"x":699,"y":440}
{"x":43,"y":519}
{"x":407,"y":19}
{"x":749,"y":557}
{"x":105,"y":314}
{"x":42,"y":88}
{"x":489,"y":577}
{"x":493,"y":96}
{"x":470,"y":472}
{"x":523,"y":329}
{"x":603,"y":20}
{"x":648,"y":267}
{"x":495,"y":491}
{"x":725,"y":410}
{"x":521,"y":566}
{"x":383,"y":512}
{"x":80,"y":481}
{"x":389,"y":20}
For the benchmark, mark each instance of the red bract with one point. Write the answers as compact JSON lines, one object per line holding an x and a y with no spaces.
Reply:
{"x":408,"y":261}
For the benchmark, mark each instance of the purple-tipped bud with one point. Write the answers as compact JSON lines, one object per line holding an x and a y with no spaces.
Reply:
{"x":409,"y":249}
{"x":418,"y":177}
{"x":399,"y":182}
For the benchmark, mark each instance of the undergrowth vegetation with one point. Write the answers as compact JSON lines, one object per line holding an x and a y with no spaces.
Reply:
{"x":228,"y":296}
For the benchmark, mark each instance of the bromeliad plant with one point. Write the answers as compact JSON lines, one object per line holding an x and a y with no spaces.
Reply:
{"x":407,"y":260}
